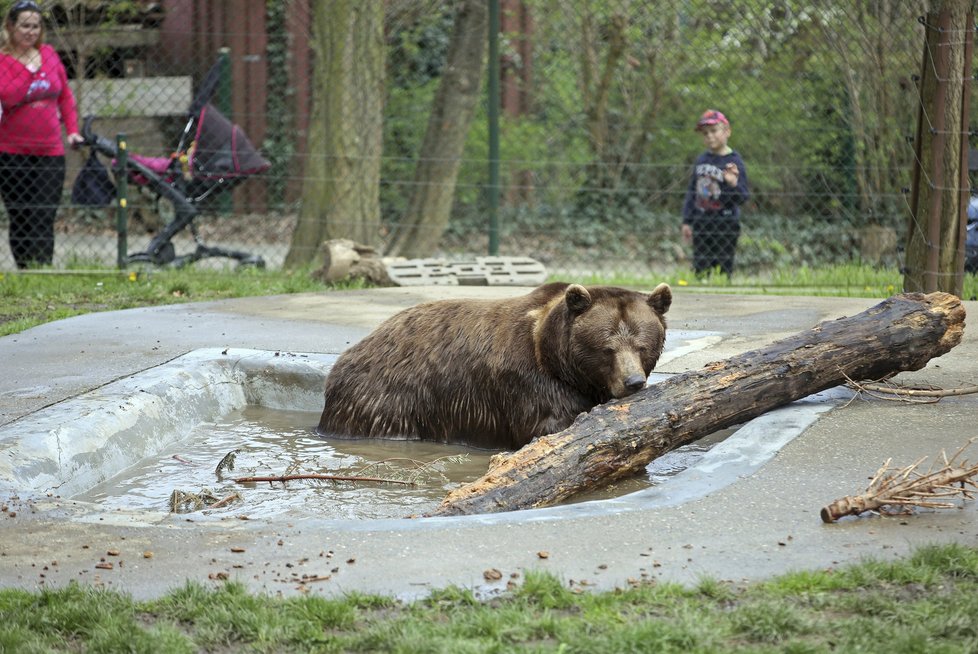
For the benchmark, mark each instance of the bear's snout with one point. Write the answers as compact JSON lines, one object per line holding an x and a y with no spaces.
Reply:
{"x":628,"y":376}
{"x":634,"y":383}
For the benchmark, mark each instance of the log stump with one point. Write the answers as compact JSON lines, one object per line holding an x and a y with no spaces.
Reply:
{"x":344,"y":259}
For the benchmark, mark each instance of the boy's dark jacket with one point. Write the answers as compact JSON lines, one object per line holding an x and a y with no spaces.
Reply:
{"x":709,"y":195}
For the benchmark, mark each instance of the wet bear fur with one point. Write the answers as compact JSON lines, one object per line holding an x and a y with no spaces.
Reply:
{"x":495,"y":374}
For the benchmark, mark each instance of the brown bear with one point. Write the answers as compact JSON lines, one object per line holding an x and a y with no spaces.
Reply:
{"x":496,"y":374}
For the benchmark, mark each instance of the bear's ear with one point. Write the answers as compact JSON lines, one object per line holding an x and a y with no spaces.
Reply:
{"x":577,"y":298}
{"x":661,"y":298}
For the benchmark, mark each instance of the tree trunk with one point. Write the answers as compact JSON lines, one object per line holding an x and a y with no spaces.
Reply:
{"x":598,"y":90}
{"x":429,"y":209}
{"x":935,"y":248}
{"x":618,"y":439}
{"x":341,"y":181}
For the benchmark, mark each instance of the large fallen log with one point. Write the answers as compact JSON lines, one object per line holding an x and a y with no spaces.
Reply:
{"x":618,"y":439}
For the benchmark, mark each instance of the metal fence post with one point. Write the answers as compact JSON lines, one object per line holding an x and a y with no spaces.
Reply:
{"x":493,"y":92}
{"x":222,"y":100}
{"x":122,"y":202}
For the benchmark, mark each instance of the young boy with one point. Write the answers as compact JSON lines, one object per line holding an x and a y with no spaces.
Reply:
{"x":717,"y":188}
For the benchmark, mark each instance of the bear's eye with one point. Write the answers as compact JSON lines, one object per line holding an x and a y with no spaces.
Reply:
{"x":608,"y":351}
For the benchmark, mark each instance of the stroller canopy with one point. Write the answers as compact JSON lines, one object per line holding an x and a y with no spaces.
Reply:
{"x":222,"y":149}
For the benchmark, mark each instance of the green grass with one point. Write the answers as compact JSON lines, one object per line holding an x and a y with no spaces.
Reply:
{"x":924,"y":603}
{"x":33,"y":298}
{"x":843,"y":280}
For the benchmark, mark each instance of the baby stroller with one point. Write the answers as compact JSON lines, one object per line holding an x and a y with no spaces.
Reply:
{"x":213,"y":156}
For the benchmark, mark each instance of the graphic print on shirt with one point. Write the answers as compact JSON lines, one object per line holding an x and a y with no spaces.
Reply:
{"x":708,"y":179}
{"x":39,"y":89}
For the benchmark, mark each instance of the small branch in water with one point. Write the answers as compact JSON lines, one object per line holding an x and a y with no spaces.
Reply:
{"x":285,"y":478}
{"x":418,"y":472}
{"x":227,"y":500}
{"x":185,"y":502}
{"x":177,"y":457}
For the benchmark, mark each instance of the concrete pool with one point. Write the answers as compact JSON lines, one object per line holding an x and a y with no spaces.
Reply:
{"x":129,"y":444}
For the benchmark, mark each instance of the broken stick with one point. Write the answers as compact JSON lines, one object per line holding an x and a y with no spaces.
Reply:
{"x":618,"y":439}
{"x":285,"y":478}
{"x":896,"y":490}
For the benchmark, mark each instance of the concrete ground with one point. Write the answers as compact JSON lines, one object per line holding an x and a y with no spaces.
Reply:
{"x":763,"y":524}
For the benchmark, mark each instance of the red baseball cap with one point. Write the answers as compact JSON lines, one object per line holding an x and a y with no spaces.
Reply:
{"x":712,"y":117}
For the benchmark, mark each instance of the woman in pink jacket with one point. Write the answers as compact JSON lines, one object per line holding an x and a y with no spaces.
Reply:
{"x":35,"y":100}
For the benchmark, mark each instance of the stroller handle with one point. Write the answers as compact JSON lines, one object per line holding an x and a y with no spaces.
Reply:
{"x":93,"y":140}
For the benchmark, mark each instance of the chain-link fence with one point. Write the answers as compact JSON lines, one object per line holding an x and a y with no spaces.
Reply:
{"x":598,"y":102}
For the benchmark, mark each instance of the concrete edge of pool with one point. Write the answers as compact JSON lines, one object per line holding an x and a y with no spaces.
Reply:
{"x":71,"y":446}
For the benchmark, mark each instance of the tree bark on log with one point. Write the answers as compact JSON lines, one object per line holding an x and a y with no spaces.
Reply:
{"x":618,"y":439}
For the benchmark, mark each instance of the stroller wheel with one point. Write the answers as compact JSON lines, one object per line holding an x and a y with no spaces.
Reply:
{"x":253,"y":260}
{"x":160,"y":256}
{"x":139,"y":257}
{"x":164,"y":254}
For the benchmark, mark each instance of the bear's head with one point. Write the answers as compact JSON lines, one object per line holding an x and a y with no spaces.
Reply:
{"x":604,"y":340}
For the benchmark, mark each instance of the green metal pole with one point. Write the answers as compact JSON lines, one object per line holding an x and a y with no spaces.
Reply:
{"x":122,"y":202}
{"x":222,"y":95}
{"x":493,"y":127}
{"x":222,"y":100}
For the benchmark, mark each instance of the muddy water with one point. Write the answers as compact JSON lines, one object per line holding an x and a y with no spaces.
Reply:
{"x":270,"y":442}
